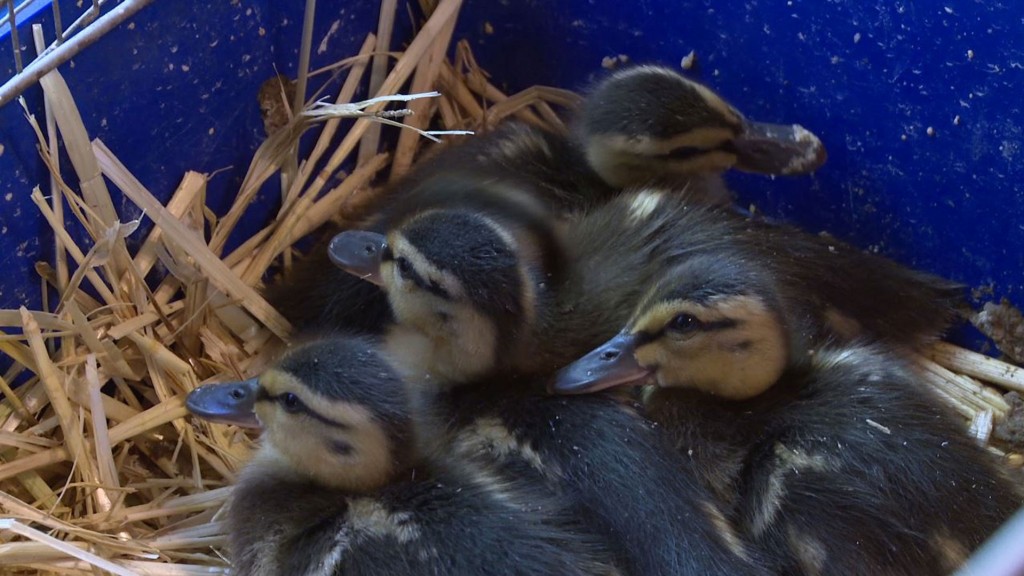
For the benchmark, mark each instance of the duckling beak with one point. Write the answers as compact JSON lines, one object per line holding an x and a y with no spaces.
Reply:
{"x":778,"y":149}
{"x":359,"y":253}
{"x":611,"y":364}
{"x":227,"y":403}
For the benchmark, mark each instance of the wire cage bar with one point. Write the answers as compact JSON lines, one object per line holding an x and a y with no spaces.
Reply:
{"x":89,"y":25}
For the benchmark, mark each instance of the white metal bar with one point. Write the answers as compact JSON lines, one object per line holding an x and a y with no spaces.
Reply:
{"x":69,"y":49}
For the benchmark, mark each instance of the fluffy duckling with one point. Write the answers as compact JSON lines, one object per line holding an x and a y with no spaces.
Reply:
{"x":832,"y":459}
{"x":333,"y":489}
{"x":649,"y":125}
{"x":518,"y":171}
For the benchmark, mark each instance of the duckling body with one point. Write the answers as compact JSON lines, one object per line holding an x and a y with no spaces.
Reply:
{"x":828,"y":455}
{"x":608,"y":464}
{"x":425,"y":523}
{"x":334,"y":488}
{"x":846,"y":466}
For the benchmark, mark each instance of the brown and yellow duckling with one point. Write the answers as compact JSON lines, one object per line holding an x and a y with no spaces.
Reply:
{"x":335,"y":488}
{"x":317,"y":297}
{"x":651,"y":126}
{"x":832,"y":457}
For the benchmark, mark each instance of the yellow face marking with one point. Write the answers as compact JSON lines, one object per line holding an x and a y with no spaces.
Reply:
{"x":717,"y":104}
{"x":624,"y":161}
{"x":402,"y":248}
{"x":308,"y":446}
{"x":447,"y":339}
{"x":737,"y":361}
{"x":658,"y":315}
{"x":450,"y":339}
{"x":458,"y":351}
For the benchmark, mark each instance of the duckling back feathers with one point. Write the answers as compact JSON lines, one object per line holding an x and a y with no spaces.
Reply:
{"x":600,"y":458}
{"x":426,"y":522}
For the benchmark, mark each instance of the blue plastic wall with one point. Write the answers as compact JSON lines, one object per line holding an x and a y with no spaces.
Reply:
{"x":918,"y":103}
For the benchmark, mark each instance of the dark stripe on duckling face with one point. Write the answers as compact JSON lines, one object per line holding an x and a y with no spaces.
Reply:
{"x":343,"y":369}
{"x":408,"y":272}
{"x":470,"y":248}
{"x":292,"y":404}
{"x":689,"y":152}
{"x":684,"y":323}
{"x":335,"y":411}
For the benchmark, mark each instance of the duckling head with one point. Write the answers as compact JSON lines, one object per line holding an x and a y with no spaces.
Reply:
{"x":332,"y":411}
{"x":462,"y":286}
{"x":712,"y":324}
{"x":650,"y":123}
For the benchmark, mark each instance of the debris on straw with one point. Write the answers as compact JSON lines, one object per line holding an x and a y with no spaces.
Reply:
{"x":1004,"y":324}
{"x":99,"y":468}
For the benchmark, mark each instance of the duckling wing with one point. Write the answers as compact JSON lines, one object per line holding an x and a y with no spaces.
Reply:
{"x":860,"y":470}
{"x":857,"y":293}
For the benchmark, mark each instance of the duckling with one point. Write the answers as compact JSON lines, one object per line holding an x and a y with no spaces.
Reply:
{"x":830,"y":456}
{"x":517,"y":170}
{"x":335,"y":487}
{"x":649,"y":125}
{"x":674,"y":130}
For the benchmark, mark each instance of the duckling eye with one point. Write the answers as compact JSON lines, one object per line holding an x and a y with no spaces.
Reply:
{"x":404,"y":267}
{"x":485,"y":252}
{"x":291,"y":402}
{"x":684,"y":323}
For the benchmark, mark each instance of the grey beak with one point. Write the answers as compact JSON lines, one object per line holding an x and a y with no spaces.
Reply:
{"x":611,"y":364}
{"x":359,"y":252}
{"x":227,"y":403}
{"x":778,"y":149}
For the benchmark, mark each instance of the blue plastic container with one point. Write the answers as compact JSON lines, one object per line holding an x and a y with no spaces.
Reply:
{"x":917,"y":103}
